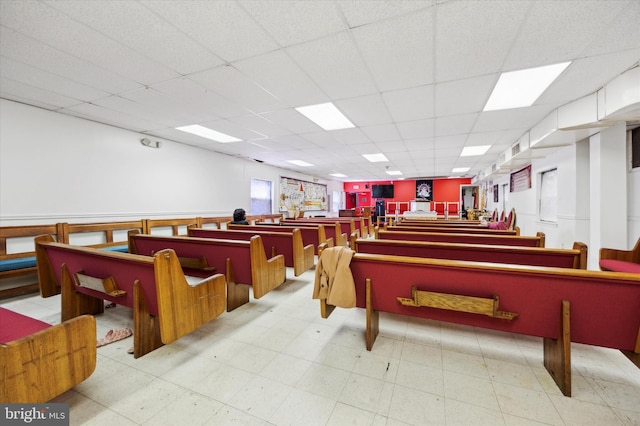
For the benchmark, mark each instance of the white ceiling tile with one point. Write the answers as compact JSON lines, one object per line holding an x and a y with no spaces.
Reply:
{"x":335,"y":65}
{"x":24,"y":93}
{"x":416,"y":129}
{"x":410,"y":104}
{"x":361,"y":12}
{"x":382,"y":133}
{"x":473,"y":38}
{"x":234,"y":86}
{"x":365,"y":110}
{"x":137,"y":27}
{"x":464,"y":96}
{"x":621,"y":34}
{"x":455,"y":124}
{"x":294,"y":22}
{"x":292,"y":120}
{"x":510,"y":119}
{"x":351,"y":136}
{"x":223,"y":27}
{"x":113,"y":117}
{"x":261,"y":125}
{"x":399,"y":52}
{"x":284,"y":79}
{"x":232,"y":129}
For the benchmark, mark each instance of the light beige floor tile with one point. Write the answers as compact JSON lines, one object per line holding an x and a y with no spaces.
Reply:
{"x":260,"y":397}
{"x":338,"y":356}
{"x":303,"y":409}
{"x":517,"y":374}
{"x":461,"y":414}
{"x":362,"y":392}
{"x":471,"y":390}
{"x":227,"y":415}
{"x":414,"y":407}
{"x":460,"y":362}
{"x":147,"y":401}
{"x":324,"y":380}
{"x":190,"y":409}
{"x":420,"y":377}
{"x":286,"y":369}
{"x":422,"y":354}
{"x":576,"y":412}
{"x":223,"y":382}
{"x":347,"y":415}
{"x":526,"y":403}
{"x":378,"y":367}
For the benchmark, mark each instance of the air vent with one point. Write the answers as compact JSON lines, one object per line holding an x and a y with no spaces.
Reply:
{"x":494,"y":167}
{"x":515,"y":149}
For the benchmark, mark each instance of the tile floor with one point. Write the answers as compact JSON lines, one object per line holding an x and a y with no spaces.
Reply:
{"x":274,"y":361}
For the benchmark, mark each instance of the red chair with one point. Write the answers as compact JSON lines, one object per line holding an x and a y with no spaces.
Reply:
{"x":452,"y":208}
{"x":440,"y":206}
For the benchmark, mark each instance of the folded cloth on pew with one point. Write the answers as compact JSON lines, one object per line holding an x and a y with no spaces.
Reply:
{"x":333,"y":280}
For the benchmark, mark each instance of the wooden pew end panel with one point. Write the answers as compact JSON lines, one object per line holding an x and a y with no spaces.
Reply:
{"x":557,"y":352}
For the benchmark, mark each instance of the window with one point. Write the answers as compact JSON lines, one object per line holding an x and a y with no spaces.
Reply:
{"x":260,"y":197}
{"x":549,"y":196}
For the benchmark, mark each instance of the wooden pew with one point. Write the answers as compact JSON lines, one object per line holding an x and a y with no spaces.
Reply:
{"x":177,"y":226}
{"x":201,"y":222}
{"x":106,"y":235}
{"x":314,"y":235}
{"x":244,"y":263}
{"x":454,"y":229}
{"x":464,"y":238}
{"x":289,"y":244}
{"x":18,"y":256}
{"x":559,"y":305}
{"x":40,"y":361}
{"x":575,"y":258}
{"x":349,"y":224}
{"x":620,"y":260}
{"x":166,"y":304}
{"x":331,"y":230}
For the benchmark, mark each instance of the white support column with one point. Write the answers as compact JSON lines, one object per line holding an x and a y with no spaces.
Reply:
{"x":608,"y":182}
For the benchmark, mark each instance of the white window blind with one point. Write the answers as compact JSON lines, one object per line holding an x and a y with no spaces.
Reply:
{"x":260,"y":196}
{"x":549,"y":196}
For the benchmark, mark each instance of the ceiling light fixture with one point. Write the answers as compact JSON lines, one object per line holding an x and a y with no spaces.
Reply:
{"x":517,"y":89}
{"x":326,"y":116}
{"x":339,"y":175}
{"x":469,"y":151}
{"x":300,"y":163}
{"x":460,"y":170}
{"x":207,"y":133}
{"x":394,"y":172}
{"x":375,"y":158}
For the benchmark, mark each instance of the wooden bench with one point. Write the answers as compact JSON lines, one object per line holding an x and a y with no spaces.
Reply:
{"x":40,"y":361}
{"x":452,"y":229}
{"x":289,"y":244}
{"x":349,"y":225}
{"x":559,"y":305}
{"x":166,"y":304}
{"x":314,"y":235}
{"x":18,"y":257}
{"x":106,"y":235}
{"x":163,"y":226}
{"x":621,"y":260}
{"x":331,"y":230}
{"x":575,"y":258}
{"x":463,"y":238}
{"x":244,"y":263}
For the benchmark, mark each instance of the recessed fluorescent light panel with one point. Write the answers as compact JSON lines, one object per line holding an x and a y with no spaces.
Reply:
{"x":460,"y":170}
{"x":338,"y":175}
{"x":207,"y":133}
{"x":300,"y":163}
{"x":394,"y":172}
{"x":469,"y":151}
{"x":326,"y":116}
{"x":517,"y":89}
{"x":375,"y":158}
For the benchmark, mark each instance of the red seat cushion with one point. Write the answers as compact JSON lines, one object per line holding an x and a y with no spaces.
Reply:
{"x":619,"y":266}
{"x":13,"y":325}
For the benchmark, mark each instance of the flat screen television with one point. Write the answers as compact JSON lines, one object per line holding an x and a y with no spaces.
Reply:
{"x":382,"y":191}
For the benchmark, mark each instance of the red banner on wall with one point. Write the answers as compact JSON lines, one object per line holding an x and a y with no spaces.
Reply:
{"x":520,"y":180}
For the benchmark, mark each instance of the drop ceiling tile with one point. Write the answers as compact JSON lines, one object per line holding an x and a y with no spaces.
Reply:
{"x":621,"y":35}
{"x":31,"y":95}
{"x":415,"y":145}
{"x":283,"y":78}
{"x":410,"y":104}
{"x":335,"y":65}
{"x":362,"y":12}
{"x":510,"y":119}
{"x":138,"y":104}
{"x":135,"y":26}
{"x":115,"y":118}
{"x":474,"y":38}
{"x":455,"y":124}
{"x":451,"y":141}
{"x":36,"y":77}
{"x":382,"y":133}
{"x":399,"y":52}
{"x":222,"y":27}
{"x":232,"y":129}
{"x":365,"y":110}
{"x":417,"y":129}
{"x":555,"y":32}
{"x":352,"y":136}
{"x":40,"y":55}
{"x":231,"y":84}
{"x":296,"y":22}
{"x":261,"y":125}
{"x":464,"y":96}
{"x":291,"y":120}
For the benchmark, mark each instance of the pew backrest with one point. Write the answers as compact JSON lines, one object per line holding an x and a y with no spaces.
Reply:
{"x":464,"y":238}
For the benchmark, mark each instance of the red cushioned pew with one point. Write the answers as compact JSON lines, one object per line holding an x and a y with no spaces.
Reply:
{"x":464,"y":238}
{"x":244,"y":263}
{"x":559,"y":305}
{"x":575,"y":258}
{"x":314,"y":234}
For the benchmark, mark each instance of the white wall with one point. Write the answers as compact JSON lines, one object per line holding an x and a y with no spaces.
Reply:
{"x":56,"y":168}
